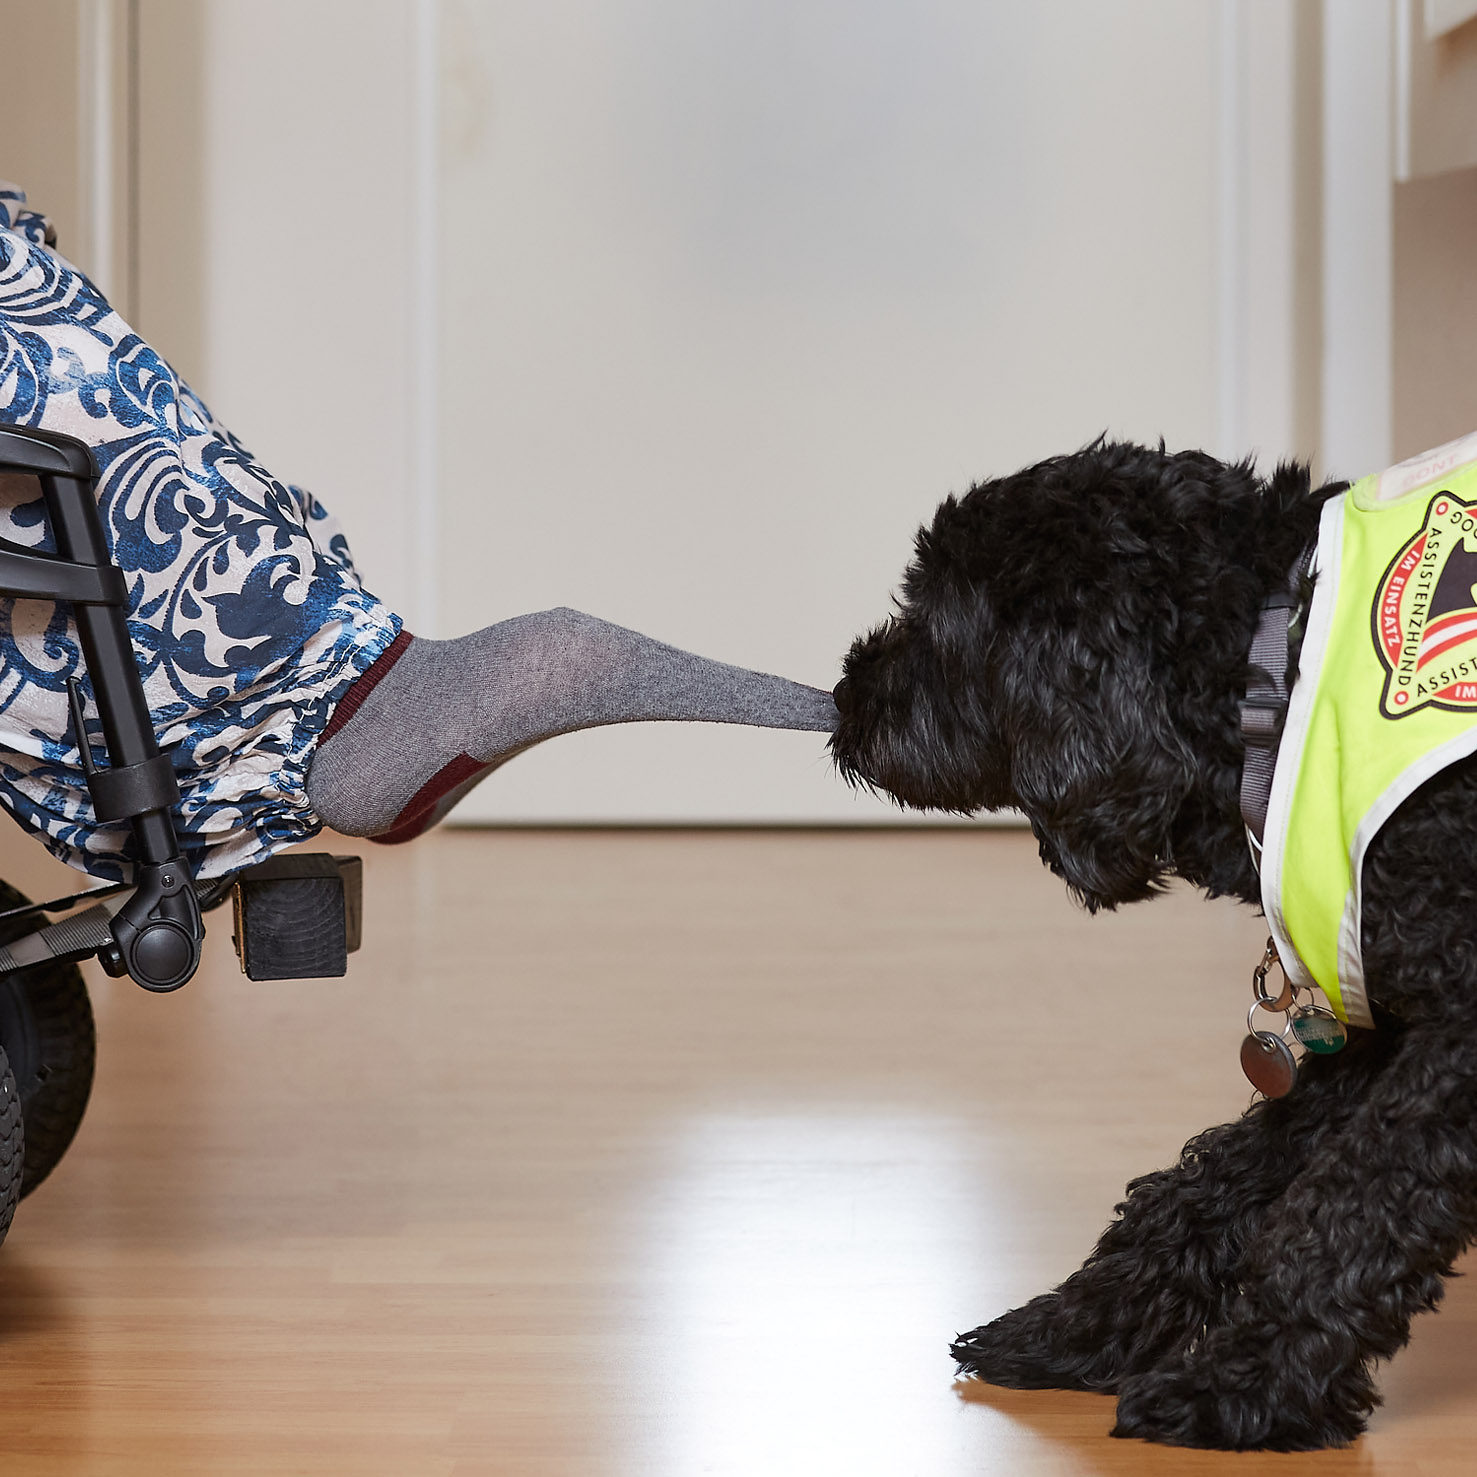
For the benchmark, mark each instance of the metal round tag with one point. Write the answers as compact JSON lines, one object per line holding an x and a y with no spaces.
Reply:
{"x":1320,"y":1031}
{"x":1269,"y":1066}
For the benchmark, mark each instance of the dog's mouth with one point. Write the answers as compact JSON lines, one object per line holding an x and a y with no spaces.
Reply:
{"x":891,"y":741}
{"x":858,"y":745}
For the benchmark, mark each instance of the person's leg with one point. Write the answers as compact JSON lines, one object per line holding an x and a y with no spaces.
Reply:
{"x":432,"y":718}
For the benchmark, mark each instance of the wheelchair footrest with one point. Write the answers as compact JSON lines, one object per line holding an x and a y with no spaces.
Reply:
{"x":298,"y":916}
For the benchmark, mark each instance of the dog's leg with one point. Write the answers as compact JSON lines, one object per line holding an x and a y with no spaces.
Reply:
{"x":1164,"y":1269}
{"x":1358,"y":1244}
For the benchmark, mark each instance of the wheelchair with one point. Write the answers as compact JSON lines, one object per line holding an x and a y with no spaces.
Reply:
{"x":296,"y":916}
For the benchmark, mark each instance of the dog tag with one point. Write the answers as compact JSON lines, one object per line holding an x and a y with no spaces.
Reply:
{"x":1319,"y":1030}
{"x":1269,"y":1066}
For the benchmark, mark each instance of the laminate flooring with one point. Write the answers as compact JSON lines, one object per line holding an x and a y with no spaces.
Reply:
{"x":639,"y":1154}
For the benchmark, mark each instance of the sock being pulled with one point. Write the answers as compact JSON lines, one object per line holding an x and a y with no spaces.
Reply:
{"x":430,"y":719}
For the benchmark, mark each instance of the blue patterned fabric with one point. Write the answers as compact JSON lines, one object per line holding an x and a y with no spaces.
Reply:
{"x":246,"y":613}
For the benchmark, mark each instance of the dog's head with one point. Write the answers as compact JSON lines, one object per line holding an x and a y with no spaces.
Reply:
{"x":1072,"y":640}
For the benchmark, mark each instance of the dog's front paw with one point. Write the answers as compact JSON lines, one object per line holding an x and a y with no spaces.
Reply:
{"x":1040,"y":1346}
{"x":1234,"y":1406}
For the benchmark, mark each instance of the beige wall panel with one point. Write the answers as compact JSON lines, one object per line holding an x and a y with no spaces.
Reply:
{"x":1443,"y":16}
{"x":730,"y":296}
{"x":39,"y":109}
{"x":64,"y":127}
{"x":39,"y":116}
{"x":170,"y":204}
{"x":1306,"y":148}
{"x":278,"y":253}
{"x":735,"y":293}
{"x":1268,"y":225}
{"x":1439,"y":96}
{"x":1435,"y":311}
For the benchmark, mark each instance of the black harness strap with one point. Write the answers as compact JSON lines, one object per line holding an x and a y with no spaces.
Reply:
{"x":1264,"y":708}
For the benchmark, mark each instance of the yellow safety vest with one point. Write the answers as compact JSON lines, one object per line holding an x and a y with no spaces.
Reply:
{"x":1386,"y":697}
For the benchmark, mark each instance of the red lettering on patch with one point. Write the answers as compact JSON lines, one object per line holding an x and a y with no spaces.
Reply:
{"x":1390,"y":597}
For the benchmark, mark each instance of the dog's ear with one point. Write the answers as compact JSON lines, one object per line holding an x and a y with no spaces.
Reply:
{"x":1097,"y":765}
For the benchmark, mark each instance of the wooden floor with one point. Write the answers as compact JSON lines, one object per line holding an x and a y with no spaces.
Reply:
{"x":657,"y":1154}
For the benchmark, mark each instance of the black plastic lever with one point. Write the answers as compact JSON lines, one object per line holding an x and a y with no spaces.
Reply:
{"x":31,"y":576}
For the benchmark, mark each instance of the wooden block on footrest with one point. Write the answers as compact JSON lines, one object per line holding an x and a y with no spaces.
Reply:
{"x":291,"y":918}
{"x":351,"y":869}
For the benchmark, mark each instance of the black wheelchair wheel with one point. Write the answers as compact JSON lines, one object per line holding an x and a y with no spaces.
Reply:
{"x":12,"y":1144}
{"x":46,"y":1031}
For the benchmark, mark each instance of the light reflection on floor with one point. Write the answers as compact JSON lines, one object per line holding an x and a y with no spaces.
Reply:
{"x":808,"y":1268}
{"x":641,"y":1156}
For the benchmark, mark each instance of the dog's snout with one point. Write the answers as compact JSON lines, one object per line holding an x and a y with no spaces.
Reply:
{"x":840,"y":693}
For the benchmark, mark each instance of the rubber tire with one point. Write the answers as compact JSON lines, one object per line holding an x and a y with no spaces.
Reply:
{"x":46,"y":1030}
{"x":12,"y":1145}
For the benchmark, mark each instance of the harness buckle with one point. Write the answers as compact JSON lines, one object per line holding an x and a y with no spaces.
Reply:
{"x":1262,"y":719}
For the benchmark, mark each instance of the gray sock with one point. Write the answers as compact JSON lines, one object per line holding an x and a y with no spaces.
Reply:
{"x":447,"y":712}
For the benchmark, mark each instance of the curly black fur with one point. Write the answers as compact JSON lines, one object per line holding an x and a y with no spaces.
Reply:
{"x":1073,"y":641}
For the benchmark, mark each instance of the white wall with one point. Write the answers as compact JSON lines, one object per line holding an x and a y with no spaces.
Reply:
{"x":730,"y":294}
{"x":1358,"y":297}
{"x":309,"y":250}
{"x":737,"y":291}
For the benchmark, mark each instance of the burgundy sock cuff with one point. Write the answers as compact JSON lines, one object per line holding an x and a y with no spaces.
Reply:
{"x":365,"y":683}
{"x":419,"y":813}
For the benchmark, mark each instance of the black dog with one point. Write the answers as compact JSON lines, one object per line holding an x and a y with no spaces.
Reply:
{"x":1073,"y":640}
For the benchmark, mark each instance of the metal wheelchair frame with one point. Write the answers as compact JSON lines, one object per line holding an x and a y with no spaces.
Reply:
{"x":150,"y":928}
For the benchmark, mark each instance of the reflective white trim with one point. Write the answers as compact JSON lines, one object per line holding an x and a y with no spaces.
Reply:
{"x":1352,"y":994}
{"x":1327,"y":557}
{"x":1327,"y":560}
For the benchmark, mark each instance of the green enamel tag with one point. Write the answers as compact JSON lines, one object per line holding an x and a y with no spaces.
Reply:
{"x":1320,"y":1031}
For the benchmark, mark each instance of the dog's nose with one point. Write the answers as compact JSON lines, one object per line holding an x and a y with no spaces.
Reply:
{"x":839,"y":693}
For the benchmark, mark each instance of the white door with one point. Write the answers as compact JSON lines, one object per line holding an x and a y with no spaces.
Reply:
{"x":735,"y":291}
{"x":686,"y":314}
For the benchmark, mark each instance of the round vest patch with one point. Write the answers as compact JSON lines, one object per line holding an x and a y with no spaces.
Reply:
{"x":1425,"y":614}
